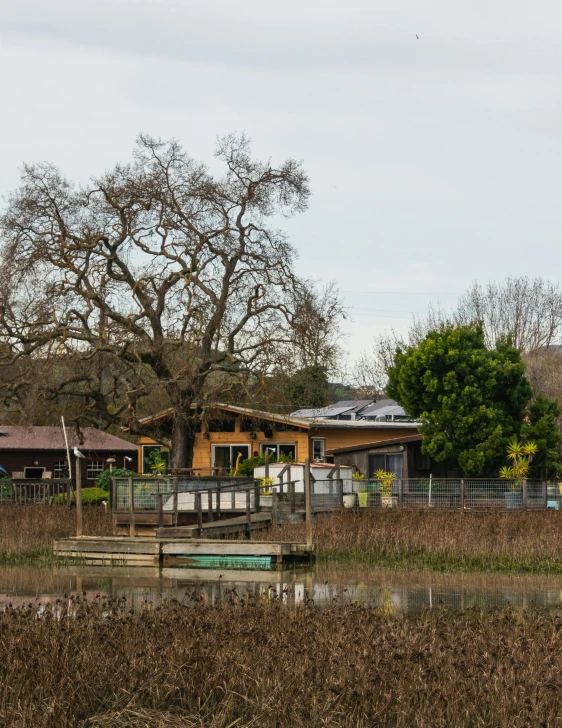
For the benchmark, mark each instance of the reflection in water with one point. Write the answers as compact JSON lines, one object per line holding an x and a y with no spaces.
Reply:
{"x":395,"y":591}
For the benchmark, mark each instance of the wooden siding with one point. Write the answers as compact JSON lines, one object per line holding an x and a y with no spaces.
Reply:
{"x":334,"y":437}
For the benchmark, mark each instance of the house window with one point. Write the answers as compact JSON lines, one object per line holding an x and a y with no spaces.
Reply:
{"x":318,"y":448}
{"x":34,"y":473}
{"x":94,"y":469}
{"x":285,"y":450}
{"x":152,"y":456}
{"x":225,"y":456}
{"x":59,"y":469}
{"x":390,"y":462}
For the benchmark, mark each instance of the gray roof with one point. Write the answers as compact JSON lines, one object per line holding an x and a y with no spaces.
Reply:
{"x":17,"y":437}
{"x":345,"y":406}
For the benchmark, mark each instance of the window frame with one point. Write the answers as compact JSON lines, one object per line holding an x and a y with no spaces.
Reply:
{"x":323,"y":441}
{"x":93,"y":467}
{"x":277,"y":445}
{"x":229,"y":445}
{"x":59,"y":467}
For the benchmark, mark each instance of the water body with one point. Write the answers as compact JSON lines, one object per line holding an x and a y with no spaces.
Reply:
{"x":337,"y":584}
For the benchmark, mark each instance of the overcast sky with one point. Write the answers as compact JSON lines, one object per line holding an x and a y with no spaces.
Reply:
{"x":433,"y":162}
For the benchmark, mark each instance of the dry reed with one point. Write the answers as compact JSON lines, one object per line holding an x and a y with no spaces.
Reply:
{"x":27,"y":532}
{"x":441,"y":540}
{"x":99,"y":664}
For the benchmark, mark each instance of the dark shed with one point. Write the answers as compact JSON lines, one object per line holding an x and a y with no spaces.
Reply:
{"x":39,"y":452}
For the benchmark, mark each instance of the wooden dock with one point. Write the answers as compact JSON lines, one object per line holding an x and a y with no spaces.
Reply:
{"x":197,"y":553}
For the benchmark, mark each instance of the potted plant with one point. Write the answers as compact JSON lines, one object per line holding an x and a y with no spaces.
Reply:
{"x":385,"y":487}
{"x":349,"y":499}
{"x":520,"y":454}
{"x":363,"y":497}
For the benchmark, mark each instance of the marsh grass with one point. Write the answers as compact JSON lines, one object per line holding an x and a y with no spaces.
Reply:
{"x":524,"y":542}
{"x":27,"y":532}
{"x":246,"y":663}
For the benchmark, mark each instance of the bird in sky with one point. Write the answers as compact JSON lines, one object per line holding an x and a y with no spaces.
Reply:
{"x":417,"y":36}
{"x":78,"y":454}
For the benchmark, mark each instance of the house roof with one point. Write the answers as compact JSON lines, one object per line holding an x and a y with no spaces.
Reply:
{"x":16,"y":437}
{"x":374,"y":445}
{"x":345,"y":406}
{"x":318,"y":423}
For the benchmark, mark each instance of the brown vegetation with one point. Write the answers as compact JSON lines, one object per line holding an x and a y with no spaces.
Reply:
{"x":100,"y":664}
{"x":27,"y":532}
{"x":443,"y":540}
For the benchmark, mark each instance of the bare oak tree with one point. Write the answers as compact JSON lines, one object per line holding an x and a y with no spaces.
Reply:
{"x":155,"y":281}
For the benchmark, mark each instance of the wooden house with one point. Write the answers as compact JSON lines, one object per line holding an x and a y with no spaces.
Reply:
{"x":40,"y":452}
{"x":233,"y":430}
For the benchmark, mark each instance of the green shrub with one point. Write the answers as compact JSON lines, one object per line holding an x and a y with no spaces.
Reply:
{"x":6,"y":490}
{"x":246,"y":467}
{"x":90,"y":497}
{"x":103,"y":480}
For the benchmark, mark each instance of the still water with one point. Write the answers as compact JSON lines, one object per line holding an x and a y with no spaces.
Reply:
{"x":396,"y":591}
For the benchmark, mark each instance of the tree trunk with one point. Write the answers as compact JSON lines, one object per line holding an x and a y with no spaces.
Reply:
{"x":183,"y":442}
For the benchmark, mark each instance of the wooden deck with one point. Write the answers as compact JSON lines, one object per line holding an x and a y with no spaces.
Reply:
{"x":206,"y":553}
{"x":218,"y":528}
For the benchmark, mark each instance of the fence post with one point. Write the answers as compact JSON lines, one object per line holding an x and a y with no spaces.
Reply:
{"x":274,"y":507}
{"x":248,"y":513}
{"x":545,"y":495}
{"x":210,"y":505}
{"x":131,"y":508}
{"x":199,"y":513}
{"x":175,"y":505}
{"x":400,"y":493}
{"x":462,"y":494}
{"x":307,"y":502}
{"x":266,"y":464}
{"x":160,"y":500}
{"x":524,"y":494}
{"x":257,"y":496}
{"x":78,"y":498}
{"x":218,"y":494}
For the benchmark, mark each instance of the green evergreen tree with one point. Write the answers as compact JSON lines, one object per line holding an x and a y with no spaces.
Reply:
{"x":471,"y":399}
{"x":541,"y":427}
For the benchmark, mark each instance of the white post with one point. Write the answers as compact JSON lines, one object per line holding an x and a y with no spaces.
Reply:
{"x":67,"y":450}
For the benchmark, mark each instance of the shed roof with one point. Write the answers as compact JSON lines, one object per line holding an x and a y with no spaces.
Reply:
{"x":18,"y":437}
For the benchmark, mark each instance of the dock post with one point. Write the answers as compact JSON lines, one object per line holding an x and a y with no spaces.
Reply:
{"x":210,"y":505}
{"x":291,"y":489}
{"x":274,"y":508}
{"x":160,"y":497}
{"x":175,"y":505}
{"x":131,"y":508}
{"x":307,"y":502}
{"x":199,"y":513}
{"x":78,"y":498}
{"x":248,"y":513}
{"x":257,"y":489}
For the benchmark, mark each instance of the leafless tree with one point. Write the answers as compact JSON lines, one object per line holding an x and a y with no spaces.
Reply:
{"x":155,"y":280}
{"x":530,"y":310}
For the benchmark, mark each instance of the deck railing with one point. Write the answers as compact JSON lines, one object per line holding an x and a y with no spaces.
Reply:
{"x":22,"y":491}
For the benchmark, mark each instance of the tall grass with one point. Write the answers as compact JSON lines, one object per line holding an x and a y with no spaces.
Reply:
{"x":27,"y":532}
{"x":488,"y":541}
{"x":253,"y":664}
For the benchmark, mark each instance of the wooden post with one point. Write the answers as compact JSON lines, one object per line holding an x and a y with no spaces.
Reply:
{"x":524,"y":494}
{"x":210,"y":505}
{"x":248,"y":513}
{"x":266,"y":462}
{"x":291,"y":489}
{"x":199,"y":513}
{"x":307,"y":502}
{"x":218,"y":502}
{"x":462,"y":494}
{"x":160,"y":497}
{"x":78,"y":498}
{"x":545,"y":495}
{"x":400,"y":493}
{"x":274,"y":508}
{"x":131,"y":508}
{"x":257,"y":497}
{"x":175,"y":504}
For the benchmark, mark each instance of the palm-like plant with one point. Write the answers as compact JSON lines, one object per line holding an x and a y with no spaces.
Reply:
{"x":520,"y":454}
